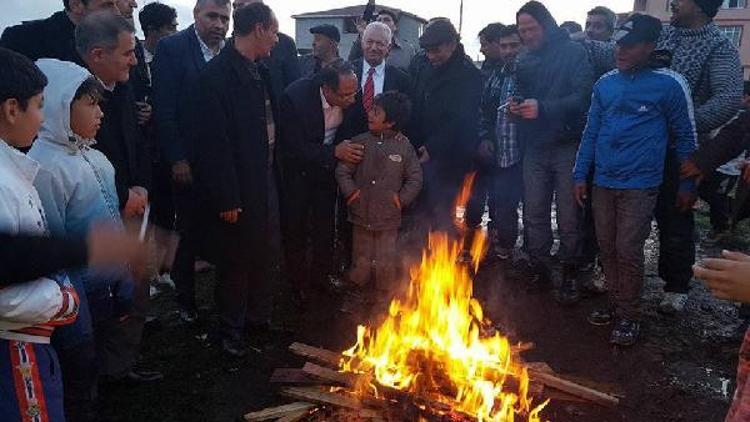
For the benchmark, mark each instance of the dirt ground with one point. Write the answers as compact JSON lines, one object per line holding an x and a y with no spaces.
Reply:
{"x":682,"y":369}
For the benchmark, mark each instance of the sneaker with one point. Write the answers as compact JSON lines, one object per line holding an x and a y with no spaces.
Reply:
{"x":625,"y":333}
{"x":673,"y":303}
{"x":601,"y":317}
{"x":165,"y":279}
{"x":142,"y":376}
{"x":188,"y":317}
{"x":234,"y":348}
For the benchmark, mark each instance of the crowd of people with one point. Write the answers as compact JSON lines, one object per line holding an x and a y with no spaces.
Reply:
{"x":275,"y":167}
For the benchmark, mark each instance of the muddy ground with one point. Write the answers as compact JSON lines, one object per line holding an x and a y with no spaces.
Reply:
{"x":682,"y":370}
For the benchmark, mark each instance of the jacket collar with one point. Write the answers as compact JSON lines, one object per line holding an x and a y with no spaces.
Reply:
{"x":17,"y":162}
{"x":195,"y":47}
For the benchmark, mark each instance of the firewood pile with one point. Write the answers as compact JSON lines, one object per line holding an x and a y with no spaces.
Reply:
{"x":320,"y":392}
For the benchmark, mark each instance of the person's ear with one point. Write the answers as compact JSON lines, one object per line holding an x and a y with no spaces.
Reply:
{"x":9,"y":110}
{"x":97,"y":55}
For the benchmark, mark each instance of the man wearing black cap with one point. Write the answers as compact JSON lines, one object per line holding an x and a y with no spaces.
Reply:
{"x":447,"y":96}
{"x":555,"y":77}
{"x":634,"y":112}
{"x":325,"y":46}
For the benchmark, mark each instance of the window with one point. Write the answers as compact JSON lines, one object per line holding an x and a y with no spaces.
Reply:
{"x":734,"y":33}
{"x":734,"y":4}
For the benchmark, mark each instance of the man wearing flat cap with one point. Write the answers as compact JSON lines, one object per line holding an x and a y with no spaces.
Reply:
{"x":325,"y":46}
{"x":447,"y":96}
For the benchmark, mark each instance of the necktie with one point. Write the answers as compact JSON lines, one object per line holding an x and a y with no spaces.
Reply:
{"x":369,"y":93}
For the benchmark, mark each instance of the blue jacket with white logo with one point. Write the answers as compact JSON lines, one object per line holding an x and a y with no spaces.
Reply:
{"x":633,"y":119}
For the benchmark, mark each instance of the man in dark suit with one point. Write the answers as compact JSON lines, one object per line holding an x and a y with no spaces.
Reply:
{"x":178,"y":62}
{"x":53,"y":37}
{"x":235,"y":167}
{"x":320,"y":116}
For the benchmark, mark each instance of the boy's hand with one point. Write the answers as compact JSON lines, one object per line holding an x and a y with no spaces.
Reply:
{"x":685,"y":201}
{"x":136,"y":204}
{"x":397,"y":201}
{"x":728,"y":278}
{"x":350,"y":153}
{"x":231,"y":216}
{"x":353,"y":197}
{"x":689,"y":170}
{"x":581,"y":193}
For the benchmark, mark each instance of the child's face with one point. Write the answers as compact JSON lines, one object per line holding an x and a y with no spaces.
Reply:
{"x":85,"y":117}
{"x":22,"y":125}
{"x":376,"y":120}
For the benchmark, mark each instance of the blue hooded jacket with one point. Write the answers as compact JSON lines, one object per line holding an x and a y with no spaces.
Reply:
{"x":633,"y":119}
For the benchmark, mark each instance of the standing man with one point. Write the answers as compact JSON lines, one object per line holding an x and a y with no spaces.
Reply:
{"x":53,"y":37}
{"x":326,"y":39}
{"x":401,"y":52}
{"x":489,"y":40}
{"x":499,"y":150}
{"x":179,"y":60}
{"x":600,"y":24}
{"x":321,"y":115}
{"x":555,"y":81}
{"x":447,"y":96}
{"x":235,"y":165}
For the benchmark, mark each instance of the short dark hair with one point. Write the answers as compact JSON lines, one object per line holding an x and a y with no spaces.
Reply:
{"x":101,"y":29}
{"x":330,"y":75}
{"x":91,"y":87}
{"x":571,"y":27}
{"x":509,"y":30}
{"x":609,"y":14}
{"x":390,"y":13}
{"x":20,"y":79}
{"x":216,"y":2}
{"x":397,"y":108}
{"x":66,"y":3}
{"x":250,"y":16}
{"x":155,"y":16}
{"x":492,"y":31}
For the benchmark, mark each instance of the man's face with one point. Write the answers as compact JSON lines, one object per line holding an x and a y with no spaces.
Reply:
{"x":112,"y":66}
{"x":212,"y":22}
{"x":268,"y":37}
{"x":683,"y":12}
{"x":531,"y":31}
{"x":439,"y":55}
{"x":346,"y":94}
{"x":509,"y":47}
{"x":375,"y":46}
{"x":126,"y":8}
{"x":164,"y":31}
{"x":597,"y":28}
{"x":632,"y":56}
{"x":79,"y":9}
{"x":323,"y":47}
{"x":25,"y":124}
{"x":490,"y":49}
{"x":388,"y":20}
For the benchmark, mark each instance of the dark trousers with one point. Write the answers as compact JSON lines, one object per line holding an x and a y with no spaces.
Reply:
{"x":547,"y":176}
{"x":589,"y":246}
{"x":239,"y":287}
{"x":183,"y":269}
{"x":506,"y":190}
{"x":161,"y":197}
{"x":715,"y":191}
{"x":80,"y":372}
{"x":441,"y":187}
{"x":676,"y":243}
{"x":310,"y":231}
{"x":623,"y":223}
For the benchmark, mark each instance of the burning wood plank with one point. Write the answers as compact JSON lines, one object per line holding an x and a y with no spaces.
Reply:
{"x":348,"y":380}
{"x":322,"y":356}
{"x":279,"y":411}
{"x":292,"y":376}
{"x":315,"y":395}
{"x":553,"y":381}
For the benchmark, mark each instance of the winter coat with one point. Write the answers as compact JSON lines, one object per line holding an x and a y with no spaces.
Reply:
{"x":283,"y":64}
{"x":631,"y":119}
{"x":390,"y":169}
{"x":732,"y":140}
{"x":446,"y":109}
{"x":560,"y":77}
{"x":232,"y":152}
{"x":77,"y":186}
{"x":54,"y":38}
{"x":29,"y":310}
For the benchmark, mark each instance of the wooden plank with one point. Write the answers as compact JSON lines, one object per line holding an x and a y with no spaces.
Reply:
{"x":316,"y":395}
{"x":316,"y":354}
{"x":278,"y":412}
{"x":292,"y":376}
{"x":317,"y":371}
{"x":295,"y":417}
{"x":578,"y":390}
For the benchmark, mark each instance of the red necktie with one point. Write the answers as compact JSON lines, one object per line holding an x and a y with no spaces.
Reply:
{"x":369,"y":93}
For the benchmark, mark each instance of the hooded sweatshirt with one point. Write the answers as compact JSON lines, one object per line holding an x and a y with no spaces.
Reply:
{"x":76,"y":184}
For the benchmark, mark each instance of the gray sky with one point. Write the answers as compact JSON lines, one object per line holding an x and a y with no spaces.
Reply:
{"x":477,"y":13}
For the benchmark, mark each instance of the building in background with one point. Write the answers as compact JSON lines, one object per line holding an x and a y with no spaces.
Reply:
{"x":410,"y":26}
{"x":733,"y":19}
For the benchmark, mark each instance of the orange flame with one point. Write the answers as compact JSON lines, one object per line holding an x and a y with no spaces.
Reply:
{"x":459,"y":216}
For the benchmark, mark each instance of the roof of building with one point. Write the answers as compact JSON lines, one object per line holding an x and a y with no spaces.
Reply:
{"x":353,"y":12}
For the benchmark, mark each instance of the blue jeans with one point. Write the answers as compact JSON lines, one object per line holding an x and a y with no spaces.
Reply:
{"x":548,"y":176}
{"x":506,"y":190}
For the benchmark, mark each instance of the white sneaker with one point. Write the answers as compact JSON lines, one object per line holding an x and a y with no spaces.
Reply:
{"x":165,"y":279}
{"x":673,"y":303}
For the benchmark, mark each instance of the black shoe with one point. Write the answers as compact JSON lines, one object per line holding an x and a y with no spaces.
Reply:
{"x":625,"y":333}
{"x":568,"y":293}
{"x":141,"y":376}
{"x":539,"y":280}
{"x":234,"y":348}
{"x":601,"y":317}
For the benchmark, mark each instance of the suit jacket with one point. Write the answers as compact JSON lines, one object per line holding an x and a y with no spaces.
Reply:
{"x":177,"y":65}
{"x":231,"y":160}
{"x":395,"y":78}
{"x":304,"y":131}
{"x":52,"y":38}
{"x":283,"y":64}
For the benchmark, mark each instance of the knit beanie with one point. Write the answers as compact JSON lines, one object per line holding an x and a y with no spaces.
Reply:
{"x":540,"y":13}
{"x":709,"y":7}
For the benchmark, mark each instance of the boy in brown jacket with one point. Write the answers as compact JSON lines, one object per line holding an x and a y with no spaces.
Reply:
{"x":388,"y":179}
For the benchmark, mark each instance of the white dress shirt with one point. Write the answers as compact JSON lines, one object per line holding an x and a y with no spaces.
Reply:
{"x":378,"y":78}
{"x":333,"y":116}
{"x":208,"y":54}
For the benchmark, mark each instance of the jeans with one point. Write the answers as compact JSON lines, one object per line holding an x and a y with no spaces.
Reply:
{"x":715,"y":191}
{"x":548,"y":174}
{"x":623,"y":223}
{"x":506,"y":190}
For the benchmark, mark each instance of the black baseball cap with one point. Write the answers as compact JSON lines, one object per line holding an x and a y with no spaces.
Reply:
{"x":329,"y":31}
{"x":439,"y":31}
{"x":638,"y":28}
